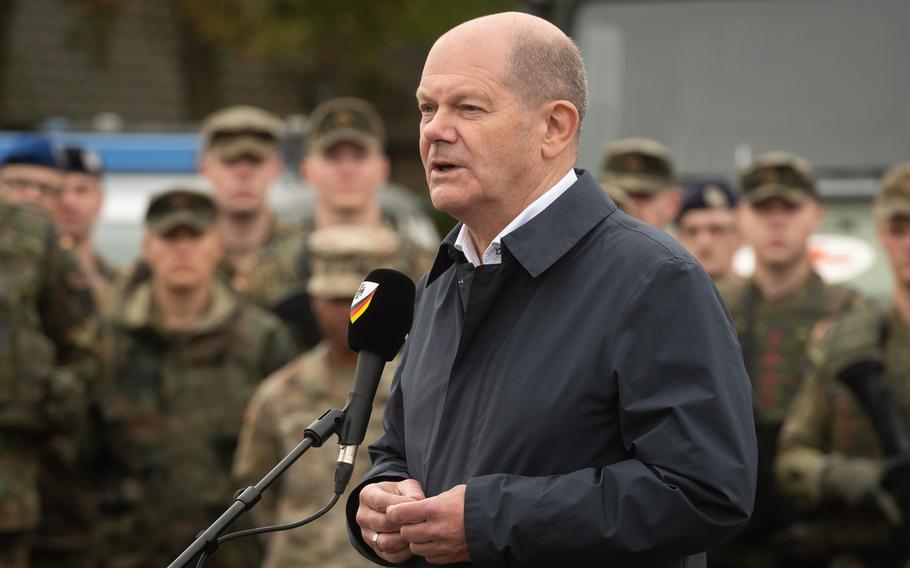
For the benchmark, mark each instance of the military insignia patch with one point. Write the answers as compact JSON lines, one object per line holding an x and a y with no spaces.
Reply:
{"x":715,"y":197}
{"x":343,"y":118}
{"x":634,"y":163}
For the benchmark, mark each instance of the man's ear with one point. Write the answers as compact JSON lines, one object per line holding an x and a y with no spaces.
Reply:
{"x":561,"y":126}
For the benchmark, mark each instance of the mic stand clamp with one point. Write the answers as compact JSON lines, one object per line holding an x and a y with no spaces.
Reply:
{"x":315,"y":435}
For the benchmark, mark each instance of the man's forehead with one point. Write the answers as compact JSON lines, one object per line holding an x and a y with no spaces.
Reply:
{"x":453,"y":86}
{"x":15,"y":170}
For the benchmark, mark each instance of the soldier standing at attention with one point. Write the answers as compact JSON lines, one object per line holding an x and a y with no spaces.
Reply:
{"x":187,"y":355}
{"x":240,"y":160}
{"x":47,"y":327}
{"x":288,"y":401}
{"x":644,"y":169}
{"x":830,"y":460}
{"x":775,"y":311}
{"x":347,"y":167}
{"x":707,"y":227}
{"x":75,"y":215}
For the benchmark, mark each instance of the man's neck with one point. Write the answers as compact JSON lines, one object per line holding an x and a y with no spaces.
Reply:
{"x":181,"y":309}
{"x":326,"y":217}
{"x":487,"y":223}
{"x":901,"y":302}
{"x":245,"y":233}
{"x":775,"y":282}
{"x":85,"y":253}
{"x":340,"y":355}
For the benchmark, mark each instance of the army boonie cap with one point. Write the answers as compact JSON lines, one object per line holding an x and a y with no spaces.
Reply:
{"x":241,"y":130}
{"x":707,"y":193}
{"x":778,"y":174}
{"x":894,"y":198}
{"x":180,"y":207}
{"x":345,"y":119}
{"x":341,"y":256}
{"x":640,"y":166}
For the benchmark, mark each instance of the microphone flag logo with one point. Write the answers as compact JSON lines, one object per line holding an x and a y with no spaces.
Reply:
{"x":362,"y":299}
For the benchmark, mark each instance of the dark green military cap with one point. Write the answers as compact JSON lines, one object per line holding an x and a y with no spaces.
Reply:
{"x":241,"y":130}
{"x":778,"y":174}
{"x":345,"y":119}
{"x":639,"y":166}
{"x":180,"y":207}
{"x":894,"y":198}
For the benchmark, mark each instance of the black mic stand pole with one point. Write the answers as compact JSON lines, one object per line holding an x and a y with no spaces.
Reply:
{"x":315,"y":435}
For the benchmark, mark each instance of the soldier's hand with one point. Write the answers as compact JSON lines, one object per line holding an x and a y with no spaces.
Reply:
{"x":378,"y":531}
{"x":858,"y":483}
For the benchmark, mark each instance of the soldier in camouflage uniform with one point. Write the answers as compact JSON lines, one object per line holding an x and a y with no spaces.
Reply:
{"x":774,"y":312}
{"x":75,"y":215}
{"x":240,"y":160}
{"x":346,"y":166}
{"x":47,"y":329}
{"x":292,"y":398}
{"x":830,"y":459}
{"x":644,"y":169}
{"x":187,"y":355}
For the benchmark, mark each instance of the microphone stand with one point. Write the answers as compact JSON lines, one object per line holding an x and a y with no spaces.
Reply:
{"x":315,"y":435}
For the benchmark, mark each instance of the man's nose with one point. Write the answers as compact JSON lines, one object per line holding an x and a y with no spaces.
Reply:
{"x":440,"y":127}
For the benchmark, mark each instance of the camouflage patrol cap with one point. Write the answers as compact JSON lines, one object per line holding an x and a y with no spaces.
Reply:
{"x":640,"y":166}
{"x":778,"y":174}
{"x":894,"y":198}
{"x":241,"y":130}
{"x":180,"y":207}
{"x":343,"y":255}
{"x":345,"y":119}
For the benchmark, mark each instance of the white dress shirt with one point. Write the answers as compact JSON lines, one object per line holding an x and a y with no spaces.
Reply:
{"x":493,"y":254}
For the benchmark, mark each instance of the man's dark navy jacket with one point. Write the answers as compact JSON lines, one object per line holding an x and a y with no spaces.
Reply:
{"x":590,"y":391}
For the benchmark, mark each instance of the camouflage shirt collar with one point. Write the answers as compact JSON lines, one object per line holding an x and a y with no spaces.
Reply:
{"x":139,"y":311}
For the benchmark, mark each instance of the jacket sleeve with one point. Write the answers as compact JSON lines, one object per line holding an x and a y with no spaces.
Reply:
{"x":389,"y":463}
{"x":688,"y":483}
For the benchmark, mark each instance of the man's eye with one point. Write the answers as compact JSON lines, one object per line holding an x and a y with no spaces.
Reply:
{"x":470,"y":108}
{"x":425,"y":109}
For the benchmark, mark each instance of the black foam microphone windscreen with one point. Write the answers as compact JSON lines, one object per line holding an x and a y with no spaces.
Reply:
{"x":381,"y":313}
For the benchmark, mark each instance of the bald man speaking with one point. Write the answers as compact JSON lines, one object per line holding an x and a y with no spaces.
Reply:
{"x":572,"y":392}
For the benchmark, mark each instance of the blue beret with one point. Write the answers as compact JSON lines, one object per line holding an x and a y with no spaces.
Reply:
{"x":33,"y":151}
{"x":707,"y":193}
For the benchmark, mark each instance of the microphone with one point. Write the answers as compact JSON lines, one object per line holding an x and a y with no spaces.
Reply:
{"x":381,"y":316}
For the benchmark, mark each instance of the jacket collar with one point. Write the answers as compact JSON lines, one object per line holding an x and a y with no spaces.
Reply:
{"x":543,"y":240}
{"x":139,"y":311}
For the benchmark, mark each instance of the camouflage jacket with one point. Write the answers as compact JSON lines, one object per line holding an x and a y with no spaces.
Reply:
{"x":168,"y":422}
{"x":825,"y":419}
{"x":274,"y":423}
{"x":774,"y":335}
{"x":282,"y":270}
{"x":47,"y":333}
{"x":281,"y":247}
